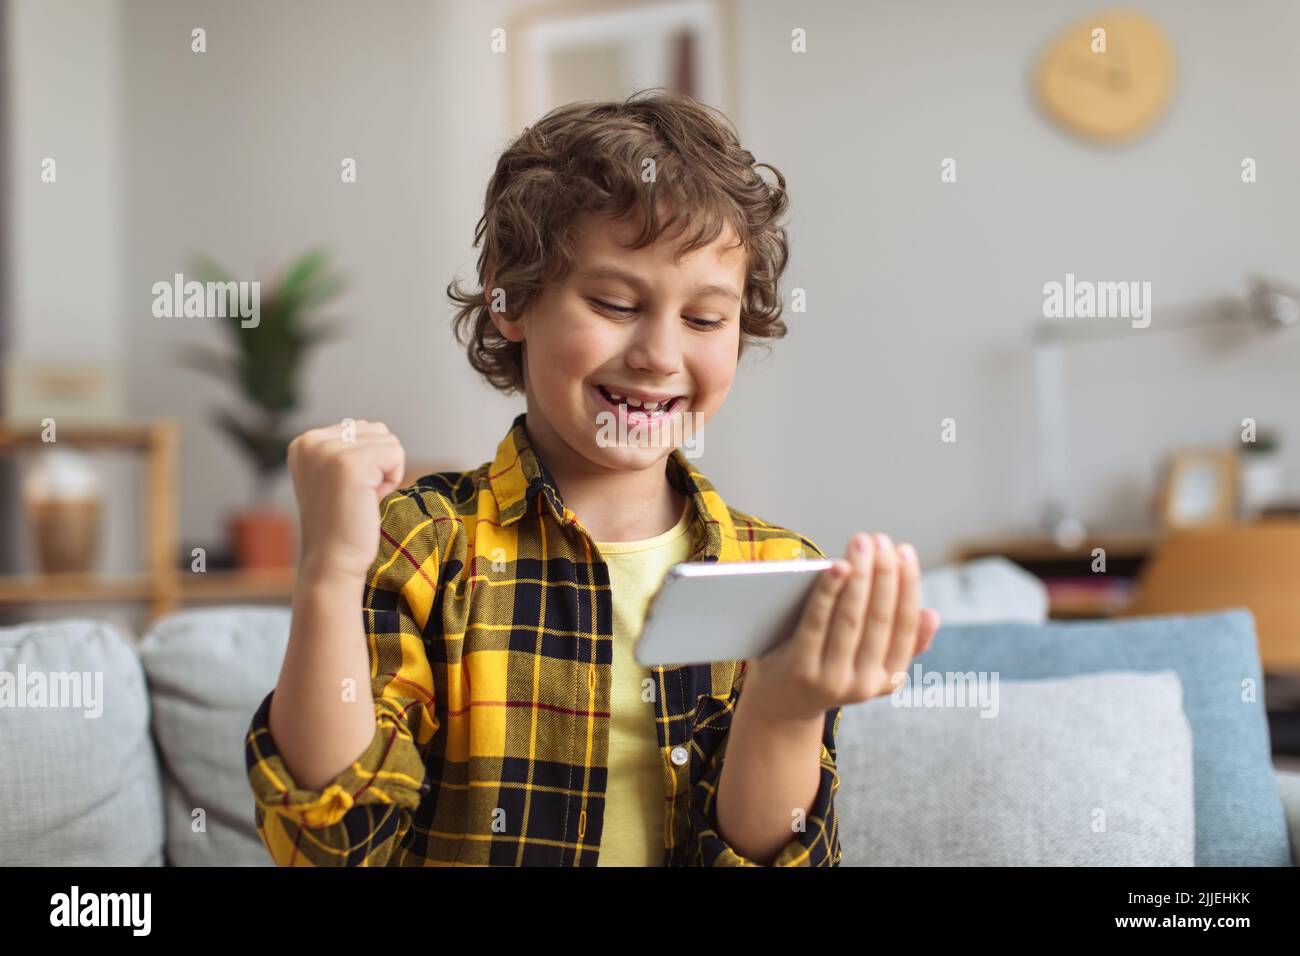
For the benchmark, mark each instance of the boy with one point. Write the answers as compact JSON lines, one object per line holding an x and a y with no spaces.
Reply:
{"x":630,"y":252}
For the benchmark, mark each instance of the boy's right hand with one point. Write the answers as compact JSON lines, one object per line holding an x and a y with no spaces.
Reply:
{"x":340,"y":474}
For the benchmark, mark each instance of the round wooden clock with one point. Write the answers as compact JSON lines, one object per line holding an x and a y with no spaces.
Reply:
{"x":1108,"y":78}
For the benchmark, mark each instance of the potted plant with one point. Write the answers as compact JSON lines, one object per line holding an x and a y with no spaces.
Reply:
{"x":264,"y":370}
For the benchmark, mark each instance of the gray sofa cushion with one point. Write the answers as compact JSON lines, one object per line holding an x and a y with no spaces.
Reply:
{"x":986,"y":589}
{"x":208,"y":672}
{"x":1239,"y":817}
{"x":80,"y":785}
{"x":1077,"y":771}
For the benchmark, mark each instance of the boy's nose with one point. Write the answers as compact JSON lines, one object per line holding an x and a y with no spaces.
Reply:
{"x":656,"y":346}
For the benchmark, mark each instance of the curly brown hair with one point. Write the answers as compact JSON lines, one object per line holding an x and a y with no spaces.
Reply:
{"x":589,"y":157}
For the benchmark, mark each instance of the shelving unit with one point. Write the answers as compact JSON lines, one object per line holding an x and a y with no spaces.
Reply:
{"x":162,"y":586}
{"x":1073,"y":591}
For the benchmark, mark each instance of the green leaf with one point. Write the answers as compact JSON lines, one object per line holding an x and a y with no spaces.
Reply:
{"x":302,"y":273}
{"x":268,"y":448}
{"x":266,"y":359}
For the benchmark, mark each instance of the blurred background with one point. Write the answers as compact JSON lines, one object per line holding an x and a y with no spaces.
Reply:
{"x":946,"y":162}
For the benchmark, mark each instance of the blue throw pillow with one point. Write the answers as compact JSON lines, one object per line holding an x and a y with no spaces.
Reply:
{"x":1239,"y":815}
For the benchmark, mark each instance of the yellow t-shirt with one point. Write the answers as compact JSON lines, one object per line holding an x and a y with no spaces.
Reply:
{"x":633,"y":831}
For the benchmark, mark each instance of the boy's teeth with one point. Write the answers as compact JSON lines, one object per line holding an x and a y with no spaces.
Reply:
{"x":636,"y":403}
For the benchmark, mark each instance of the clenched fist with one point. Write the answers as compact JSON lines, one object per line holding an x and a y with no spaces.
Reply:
{"x":340,"y":474}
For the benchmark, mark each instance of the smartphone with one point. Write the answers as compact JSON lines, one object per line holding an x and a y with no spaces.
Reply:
{"x":707,"y":611}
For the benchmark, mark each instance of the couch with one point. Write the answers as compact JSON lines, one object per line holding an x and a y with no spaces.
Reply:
{"x":1122,"y":743}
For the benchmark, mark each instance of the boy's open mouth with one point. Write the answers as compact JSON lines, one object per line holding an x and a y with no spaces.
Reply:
{"x":636,"y":410}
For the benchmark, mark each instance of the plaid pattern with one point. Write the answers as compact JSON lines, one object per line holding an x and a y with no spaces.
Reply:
{"x":488,"y":615}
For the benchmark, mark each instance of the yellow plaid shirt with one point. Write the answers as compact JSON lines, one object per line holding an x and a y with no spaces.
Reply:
{"x":488,"y":615}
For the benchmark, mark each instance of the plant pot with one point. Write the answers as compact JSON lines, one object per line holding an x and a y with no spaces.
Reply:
{"x":262,"y":538}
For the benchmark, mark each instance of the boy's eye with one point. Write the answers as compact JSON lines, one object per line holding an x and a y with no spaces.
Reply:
{"x":610,"y":307}
{"x":628,"y":310}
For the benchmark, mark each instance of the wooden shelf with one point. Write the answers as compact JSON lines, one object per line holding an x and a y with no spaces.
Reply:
{"x":45,"y":588}
{"x":1042,"y":557}
{"x":157,"y":440}
{"x":137,"y":435}
{"x":1024,"y":549}
{"x":164,"y":586}
{"x":249,"y":585}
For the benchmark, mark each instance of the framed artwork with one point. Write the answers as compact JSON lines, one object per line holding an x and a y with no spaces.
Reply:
{"x":1199,"y":490}
{"x":601,"y":49}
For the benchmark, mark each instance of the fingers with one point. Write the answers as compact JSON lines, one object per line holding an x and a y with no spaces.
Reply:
{"x":314,"y":437}
{"x":866,"y":619}
{"x":386,"y":464}
{"x":360,"y":427}
{"x":884,"y":598}
{"x":370,"y":438}
{"x":850,"y":610}
{"x":929,"y":627}
{"x":907,"y":615}
{"x":809,"y":636}
{"x":845,"y":632}
{"x":372,"y":457}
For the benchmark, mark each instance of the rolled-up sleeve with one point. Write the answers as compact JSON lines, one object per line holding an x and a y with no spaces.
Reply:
{"x":817,"y":844}
{"x":360,"y":817}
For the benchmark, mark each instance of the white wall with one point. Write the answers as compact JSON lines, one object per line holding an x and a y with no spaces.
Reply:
{"x":66,"y":281}
{"x":68,"y":249}
{"x":236,"y":152}
{"x":920,"y":294}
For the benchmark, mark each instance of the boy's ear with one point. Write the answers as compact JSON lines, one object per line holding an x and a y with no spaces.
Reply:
{"x":500,"y":311}
{"x":510,"y":329}
{"x":507,"y":319}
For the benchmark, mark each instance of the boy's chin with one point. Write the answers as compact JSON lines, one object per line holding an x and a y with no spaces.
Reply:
{"x":629,"y":457}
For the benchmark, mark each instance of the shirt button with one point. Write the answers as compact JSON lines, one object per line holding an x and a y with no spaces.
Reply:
{"x":680,"y":756}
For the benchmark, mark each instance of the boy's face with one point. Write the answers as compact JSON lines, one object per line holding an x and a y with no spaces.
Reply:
{"x":634,"y":323}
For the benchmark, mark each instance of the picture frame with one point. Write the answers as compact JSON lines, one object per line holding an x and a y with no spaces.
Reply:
{"x":71,"y":391}
{"x":606,"y":49}
{"x":1198,"y":490}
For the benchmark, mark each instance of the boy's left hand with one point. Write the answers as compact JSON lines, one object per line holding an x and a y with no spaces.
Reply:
{"x":861,"y":625}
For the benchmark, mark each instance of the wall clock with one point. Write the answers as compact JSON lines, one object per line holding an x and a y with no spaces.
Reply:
{"x":1108,"y":78}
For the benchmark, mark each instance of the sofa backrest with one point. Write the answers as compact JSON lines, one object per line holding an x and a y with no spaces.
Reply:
{"x":81,"y":783}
